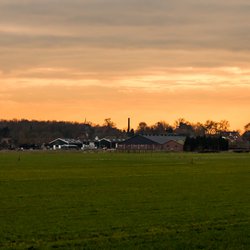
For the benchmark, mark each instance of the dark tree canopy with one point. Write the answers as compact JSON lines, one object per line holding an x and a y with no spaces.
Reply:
{"x":24,"y":132}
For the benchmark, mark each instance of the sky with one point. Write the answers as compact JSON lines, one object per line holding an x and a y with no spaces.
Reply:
{"x":149,"y":60}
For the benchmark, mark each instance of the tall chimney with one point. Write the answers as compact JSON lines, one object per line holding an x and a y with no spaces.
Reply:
{"x":128,"y":125}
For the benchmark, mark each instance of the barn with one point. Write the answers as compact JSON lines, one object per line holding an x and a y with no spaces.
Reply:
{"x":108,"y":143}
{"x":60,"y":143}
{"x":172,"y":143}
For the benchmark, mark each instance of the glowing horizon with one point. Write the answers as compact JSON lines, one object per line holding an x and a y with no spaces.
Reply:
{"x":147,"y":60}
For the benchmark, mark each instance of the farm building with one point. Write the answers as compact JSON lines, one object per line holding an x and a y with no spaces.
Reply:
{"x":103,"y":143}
{"x":236,"y":141}
{"x":108,"y":143}
{"x":154,"y":142}
{"x":60,"y":143}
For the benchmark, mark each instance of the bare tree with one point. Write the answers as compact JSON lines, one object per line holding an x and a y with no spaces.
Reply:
{"x":142,"y":128}
{"x":179,"y":121}
{"x":109,"y":123}
{"x":211,"y":127}
{"x":223,"y":125}
{"x":183,"y":127}
{"x":247,"y":127}
{"x":161,"y":127}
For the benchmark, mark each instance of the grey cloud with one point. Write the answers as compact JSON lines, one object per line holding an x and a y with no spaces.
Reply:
{"x":120,"y":12}
{"x":118,"y":24}
{"x":151,"y":39}
{"x":135,"y":13}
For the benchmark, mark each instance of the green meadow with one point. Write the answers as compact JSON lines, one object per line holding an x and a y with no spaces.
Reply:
{"x":76,"y":200}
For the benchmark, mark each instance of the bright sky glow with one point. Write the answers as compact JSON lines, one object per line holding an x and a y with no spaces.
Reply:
{"x":148,"y":60}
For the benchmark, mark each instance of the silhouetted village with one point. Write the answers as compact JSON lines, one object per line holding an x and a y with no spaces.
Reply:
{"x":182,"y":136}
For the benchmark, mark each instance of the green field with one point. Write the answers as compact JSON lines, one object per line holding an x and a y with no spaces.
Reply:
{"x":76,"y":200}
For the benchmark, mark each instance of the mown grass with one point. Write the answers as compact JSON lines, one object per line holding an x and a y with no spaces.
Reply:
{"x":76,"y":200}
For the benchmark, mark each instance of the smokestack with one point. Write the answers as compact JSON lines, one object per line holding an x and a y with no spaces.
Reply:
{"x":128,"y":125}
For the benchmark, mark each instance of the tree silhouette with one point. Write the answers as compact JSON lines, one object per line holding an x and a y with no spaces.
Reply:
{"x":247,"y":127}
{"x":109,"y":123}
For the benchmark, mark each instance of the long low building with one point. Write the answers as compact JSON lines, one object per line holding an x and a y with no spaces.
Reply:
{"x":154,"y":142}
{"x":62,"y":143}
{"x":104,"y":143}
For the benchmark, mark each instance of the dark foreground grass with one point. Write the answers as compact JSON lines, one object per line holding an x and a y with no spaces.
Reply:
{"x":124,"y":201}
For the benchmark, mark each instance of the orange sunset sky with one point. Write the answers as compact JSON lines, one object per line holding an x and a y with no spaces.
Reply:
{"x":150,"y":60}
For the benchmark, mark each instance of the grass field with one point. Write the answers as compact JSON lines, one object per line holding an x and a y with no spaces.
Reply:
{"x":76,"y":200}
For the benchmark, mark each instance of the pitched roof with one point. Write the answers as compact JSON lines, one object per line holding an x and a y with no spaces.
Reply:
{"x":162,"y":139}
{"x":67,"y":141}
{"x":138,"y":140}
{"x":154,"y":139}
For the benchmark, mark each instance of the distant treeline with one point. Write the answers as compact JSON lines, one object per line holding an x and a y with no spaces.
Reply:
{"x":39,"y":132}
{"x":19,"y":132}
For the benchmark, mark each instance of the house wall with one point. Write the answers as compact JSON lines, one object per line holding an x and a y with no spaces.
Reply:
{"x":169,"y":146}
{"x":173,"y":146}
{"x":139,"y":147}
